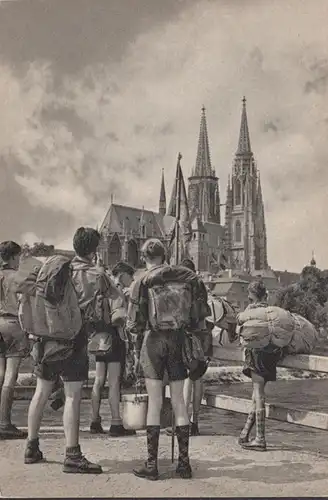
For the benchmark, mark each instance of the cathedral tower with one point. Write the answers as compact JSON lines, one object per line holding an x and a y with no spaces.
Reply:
{"x":203,"y":191}
{"x":245,"y":224}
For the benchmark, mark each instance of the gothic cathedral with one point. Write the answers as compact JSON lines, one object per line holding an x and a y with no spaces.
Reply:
{"x":239,"y":244}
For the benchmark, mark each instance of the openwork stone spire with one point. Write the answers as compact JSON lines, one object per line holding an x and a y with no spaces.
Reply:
{"x":244,"y":143}
{"x":203,"y":166}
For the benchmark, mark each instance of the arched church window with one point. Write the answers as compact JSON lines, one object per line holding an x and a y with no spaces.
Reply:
{"x":238,"y":231}
{"x":238,"y":193}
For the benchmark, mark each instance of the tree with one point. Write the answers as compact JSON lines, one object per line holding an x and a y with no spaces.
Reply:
{"x":307,"y":297}
{"x":38,"y":250}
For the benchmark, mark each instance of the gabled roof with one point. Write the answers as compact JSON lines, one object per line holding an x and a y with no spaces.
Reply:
{"x":121,"y":217}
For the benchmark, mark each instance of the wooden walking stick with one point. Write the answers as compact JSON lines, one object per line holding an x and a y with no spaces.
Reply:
{"x":173,"y":436}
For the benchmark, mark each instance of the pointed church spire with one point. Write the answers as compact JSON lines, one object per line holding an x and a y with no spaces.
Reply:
{"x":162,"y":197}
{"x":203,"y":165}
{"x":244,"y":143}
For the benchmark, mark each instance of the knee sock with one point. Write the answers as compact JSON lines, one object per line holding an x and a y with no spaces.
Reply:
{"x":248,"y":425}
{"x":260,"y":425}
{"x":153,"y":432}
{"x":182,"y":432}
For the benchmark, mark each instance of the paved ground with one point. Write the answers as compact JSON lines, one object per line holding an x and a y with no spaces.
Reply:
{"x":296,"y":463}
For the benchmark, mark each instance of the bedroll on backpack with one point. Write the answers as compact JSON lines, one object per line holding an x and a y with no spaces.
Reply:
{"x":55,"y":309}
{"x":170,"y":299}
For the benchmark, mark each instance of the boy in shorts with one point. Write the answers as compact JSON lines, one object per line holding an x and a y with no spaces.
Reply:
{"x":14,"y":344}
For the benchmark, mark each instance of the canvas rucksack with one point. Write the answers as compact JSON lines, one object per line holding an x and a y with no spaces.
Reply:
{"x":170,"y":299}
{"x":223,"y":315}
{"x":49,"y":307}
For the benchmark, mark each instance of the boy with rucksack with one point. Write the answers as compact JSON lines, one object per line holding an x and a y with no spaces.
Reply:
{"x":194,"y":389}
{"x":58,"y":321}
{"x":100,"y":298}
{"x":13,"y":340}
{"x":165,"y":304}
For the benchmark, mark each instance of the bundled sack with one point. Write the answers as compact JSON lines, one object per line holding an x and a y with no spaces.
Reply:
{"x":305,"y":337}
{"x":262,"y":325}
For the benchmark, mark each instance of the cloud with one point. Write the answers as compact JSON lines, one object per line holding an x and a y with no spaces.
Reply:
{"x":31,"y":238}
{"x":114,"y":126}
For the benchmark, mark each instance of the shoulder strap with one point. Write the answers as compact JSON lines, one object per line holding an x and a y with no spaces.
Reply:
{"x":2,"y":293}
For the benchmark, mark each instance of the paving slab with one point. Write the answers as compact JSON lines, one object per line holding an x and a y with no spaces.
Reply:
{"x":220,"y":467}
{"x":296,"y":463}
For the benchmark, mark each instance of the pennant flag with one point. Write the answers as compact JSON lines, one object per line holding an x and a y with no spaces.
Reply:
{"x":178,"y":208}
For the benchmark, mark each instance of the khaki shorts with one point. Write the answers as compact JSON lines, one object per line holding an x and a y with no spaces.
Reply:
{"x":162,"y":352}
{"x":13,"y":341}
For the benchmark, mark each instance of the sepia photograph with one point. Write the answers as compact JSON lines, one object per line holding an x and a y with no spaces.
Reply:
{"x":163,"y":248}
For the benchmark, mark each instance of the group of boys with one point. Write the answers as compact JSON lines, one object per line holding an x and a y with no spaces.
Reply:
{"x":87,"y":276}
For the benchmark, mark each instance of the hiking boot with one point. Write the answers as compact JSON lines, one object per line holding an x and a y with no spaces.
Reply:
{"x":96,"y":428}
{"x":80,"y":465}
{"x":194,"y":431}
{"x":10,"y":431}
{"x":184,"y":471}
{"x":256,"y":445}
{"x":120,"y":431}
{"x":33,"y":455}
{"x":245,"y":433}
{"x":147,"y":472}
{"x":243,"y":439}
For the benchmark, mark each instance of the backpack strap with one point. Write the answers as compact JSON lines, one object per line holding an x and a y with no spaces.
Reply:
{"x":2,"y":293}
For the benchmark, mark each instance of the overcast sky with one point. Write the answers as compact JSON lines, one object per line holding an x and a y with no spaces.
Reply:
{"x":97,"y":96}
